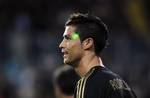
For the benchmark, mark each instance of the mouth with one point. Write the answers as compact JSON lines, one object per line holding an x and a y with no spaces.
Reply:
{"x":65,"y":53}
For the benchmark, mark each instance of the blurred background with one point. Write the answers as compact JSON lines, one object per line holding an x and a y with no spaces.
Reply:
{"x":31,"y":30}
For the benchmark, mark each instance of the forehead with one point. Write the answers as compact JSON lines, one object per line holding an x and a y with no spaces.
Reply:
{"x":69,"y":30}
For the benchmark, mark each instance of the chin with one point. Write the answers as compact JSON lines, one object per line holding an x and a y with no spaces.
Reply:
{"x":67,"y":63}
{"x":70,"y":63}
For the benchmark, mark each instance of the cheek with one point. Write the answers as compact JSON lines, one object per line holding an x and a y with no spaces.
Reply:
{"x":74,"y":46}
{"x":76,"y":49}
{"x":78,"y":43}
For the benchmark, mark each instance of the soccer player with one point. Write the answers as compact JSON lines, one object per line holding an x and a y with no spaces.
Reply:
{"x":64,"y":81}
{"x":84,"y":38}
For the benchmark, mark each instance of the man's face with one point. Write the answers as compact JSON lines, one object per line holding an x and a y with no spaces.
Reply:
{"x":71,"y":46}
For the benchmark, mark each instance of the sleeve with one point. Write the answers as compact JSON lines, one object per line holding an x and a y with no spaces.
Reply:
{"x":117,"y":88}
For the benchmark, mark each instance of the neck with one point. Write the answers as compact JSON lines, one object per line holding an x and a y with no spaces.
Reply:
{"x":86,"y":63}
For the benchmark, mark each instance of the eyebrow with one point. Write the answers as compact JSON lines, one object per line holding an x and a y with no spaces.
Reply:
{"x":73,"y":36}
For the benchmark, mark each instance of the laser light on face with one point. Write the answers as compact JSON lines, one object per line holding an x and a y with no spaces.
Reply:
{"x":75,"y":36}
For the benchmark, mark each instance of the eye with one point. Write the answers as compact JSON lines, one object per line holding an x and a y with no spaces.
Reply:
{"x":67,"y":37}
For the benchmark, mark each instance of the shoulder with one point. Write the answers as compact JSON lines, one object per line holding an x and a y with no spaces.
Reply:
{"x":106,"y":75}
{"x":107,"y":78}
{"x":103,"y":74}
{"x":110,"y":83}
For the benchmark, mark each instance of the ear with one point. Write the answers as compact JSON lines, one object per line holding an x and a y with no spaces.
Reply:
{"x":87,"y":43}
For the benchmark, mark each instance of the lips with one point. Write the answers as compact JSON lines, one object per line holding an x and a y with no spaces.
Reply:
{"x":65,"y":53}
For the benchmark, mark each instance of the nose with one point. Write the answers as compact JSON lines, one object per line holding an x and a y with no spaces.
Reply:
{"x":61,"y":45}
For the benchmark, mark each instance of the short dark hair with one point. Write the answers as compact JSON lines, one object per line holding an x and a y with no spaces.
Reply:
{"x":66,"y":78}
{"x":90,"y":26}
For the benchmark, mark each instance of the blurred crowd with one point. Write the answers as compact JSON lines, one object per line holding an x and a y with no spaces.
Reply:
{"x":31,"y":30}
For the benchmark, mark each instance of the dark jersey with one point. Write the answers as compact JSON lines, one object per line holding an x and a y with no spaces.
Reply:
{"x":100,"y":82}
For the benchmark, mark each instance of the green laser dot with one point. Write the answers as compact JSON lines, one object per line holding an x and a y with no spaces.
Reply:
{"x":75,"y":36}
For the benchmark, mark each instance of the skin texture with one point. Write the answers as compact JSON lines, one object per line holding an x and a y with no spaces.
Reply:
{"x":71,"y":48}
{"x":80,"y":55}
